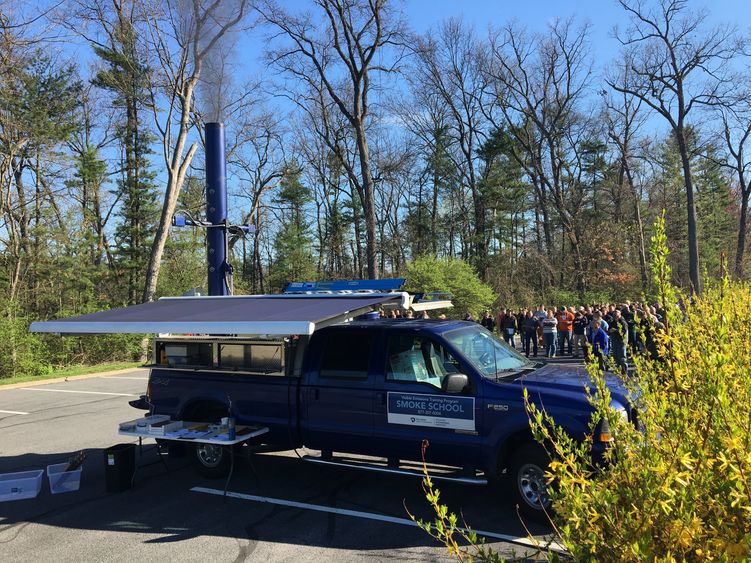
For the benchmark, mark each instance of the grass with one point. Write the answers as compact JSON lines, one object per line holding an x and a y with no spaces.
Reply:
{"x":69,"y":371}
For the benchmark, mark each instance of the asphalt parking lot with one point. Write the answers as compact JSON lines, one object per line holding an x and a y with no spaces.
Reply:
{"x":280,"y":509}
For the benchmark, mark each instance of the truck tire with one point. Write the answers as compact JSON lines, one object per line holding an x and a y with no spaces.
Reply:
{"x":211,"y":460}
{"x":529,"y":488}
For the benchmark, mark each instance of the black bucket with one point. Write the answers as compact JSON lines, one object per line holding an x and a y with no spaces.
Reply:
{"x":119,"y":467}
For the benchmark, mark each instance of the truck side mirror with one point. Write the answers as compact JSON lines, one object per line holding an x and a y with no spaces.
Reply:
{"x":455,"y":383}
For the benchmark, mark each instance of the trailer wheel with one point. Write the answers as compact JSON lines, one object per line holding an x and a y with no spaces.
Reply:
{"x":211,"y":460}
{"x":529,"y":487}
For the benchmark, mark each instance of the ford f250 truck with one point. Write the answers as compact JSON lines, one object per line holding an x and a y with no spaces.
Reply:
{"x":378,"y":388}
{"x":365,"y":393}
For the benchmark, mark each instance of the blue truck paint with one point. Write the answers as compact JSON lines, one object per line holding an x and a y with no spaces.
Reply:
{"x":351,"y":414}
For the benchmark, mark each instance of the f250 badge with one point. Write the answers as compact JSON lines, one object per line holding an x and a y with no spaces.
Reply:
{"x":497,"y":407}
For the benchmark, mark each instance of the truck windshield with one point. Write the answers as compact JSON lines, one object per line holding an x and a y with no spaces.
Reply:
{"x":488,"y":354}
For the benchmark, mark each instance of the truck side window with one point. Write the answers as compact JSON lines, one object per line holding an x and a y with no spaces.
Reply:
{"x":418,"y":359}
{"x":346,"y":355}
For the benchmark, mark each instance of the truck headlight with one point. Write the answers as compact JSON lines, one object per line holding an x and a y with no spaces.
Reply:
{"x":606,"y":434}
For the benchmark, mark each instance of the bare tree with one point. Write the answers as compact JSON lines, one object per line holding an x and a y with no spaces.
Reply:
{"x":676,"y":66}
{"x":338,"y":55}
{"x":538,"y":83}
{"x":181,"y":44}
{"x":85,"y":145}
{"x":736,"y":135}
{"x":259,"y":157}
{"x":449,"y":68}
{"x":623,"y":119}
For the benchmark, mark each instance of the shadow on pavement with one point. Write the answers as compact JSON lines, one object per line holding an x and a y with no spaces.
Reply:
{"x":161,"y":503}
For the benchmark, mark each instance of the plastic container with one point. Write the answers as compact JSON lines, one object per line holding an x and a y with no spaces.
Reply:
{"x":119,"y":467}
{"x":62,"y":481}
{"x":21,"y":485}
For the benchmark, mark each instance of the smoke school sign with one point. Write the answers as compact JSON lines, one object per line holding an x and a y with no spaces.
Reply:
{"x":436,"y":411}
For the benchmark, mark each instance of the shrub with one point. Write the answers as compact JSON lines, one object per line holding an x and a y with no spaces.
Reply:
{"x":470,"y":294}
{"x":21,"y":352}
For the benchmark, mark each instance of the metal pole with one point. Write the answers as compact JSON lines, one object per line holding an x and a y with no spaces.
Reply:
{"x":216,"y":209}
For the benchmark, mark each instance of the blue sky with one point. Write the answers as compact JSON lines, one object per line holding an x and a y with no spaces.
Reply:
{"x":602,"y":15}
{"x":422,"y":15}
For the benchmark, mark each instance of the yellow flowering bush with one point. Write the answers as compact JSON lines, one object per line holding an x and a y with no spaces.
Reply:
{"x":677,"y":480}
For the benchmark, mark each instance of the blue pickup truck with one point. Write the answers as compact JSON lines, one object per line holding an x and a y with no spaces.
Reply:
{"x":367,"y":394}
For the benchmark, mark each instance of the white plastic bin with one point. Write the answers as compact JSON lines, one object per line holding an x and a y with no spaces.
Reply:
{"x":17,"y":486}
{"x":62,"y":481}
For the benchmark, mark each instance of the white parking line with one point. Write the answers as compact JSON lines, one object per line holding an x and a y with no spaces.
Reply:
{"x":526,"y":542}
{"x":72,"y":391}
{"x":12,"y":412}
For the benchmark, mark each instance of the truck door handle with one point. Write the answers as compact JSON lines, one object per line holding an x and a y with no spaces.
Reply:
{"x":316,"y":394}
{"x":383,"y":398}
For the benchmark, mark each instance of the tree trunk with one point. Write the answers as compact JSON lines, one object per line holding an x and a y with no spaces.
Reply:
{"x":693,"y":240}
{"x":742,"y":222}
{"x":639,"y":232}
{"x":368,"y":203}
{"x":178,"y":166}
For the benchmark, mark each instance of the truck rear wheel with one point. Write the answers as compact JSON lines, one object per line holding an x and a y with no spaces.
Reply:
{"x":211,"y":460}
{"x":529,"y":487}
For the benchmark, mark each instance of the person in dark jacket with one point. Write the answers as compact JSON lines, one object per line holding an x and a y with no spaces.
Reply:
{"x":529,"y":326}
{"x":580,"y":340}
{"x":629,"y":314}
{"x":488,"y":321}
{"x":648,"y":326}
{"x":508,"y":327}
{"x":600,"y":343}
{"x":618,"y":334}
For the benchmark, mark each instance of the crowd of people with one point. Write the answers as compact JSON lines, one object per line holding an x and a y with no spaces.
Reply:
{"x":593,"y":331}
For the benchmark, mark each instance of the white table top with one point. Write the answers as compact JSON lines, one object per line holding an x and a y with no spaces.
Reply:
{"x":209,"y":438}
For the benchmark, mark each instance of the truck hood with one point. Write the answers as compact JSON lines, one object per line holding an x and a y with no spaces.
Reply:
{"x":571,"y":380}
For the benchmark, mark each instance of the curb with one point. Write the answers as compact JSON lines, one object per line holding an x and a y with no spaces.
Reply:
{"x":71,"y":378}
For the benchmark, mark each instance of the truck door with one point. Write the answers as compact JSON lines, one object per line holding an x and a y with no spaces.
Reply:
{"x":337,"y":391}
{"x":411,"y":405}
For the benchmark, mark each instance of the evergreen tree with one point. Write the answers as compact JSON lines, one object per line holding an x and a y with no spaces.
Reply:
{"x":293,"y":246}
{"x":126,"y":76}
{"x":713,"y":205}
{"x":503,"y":189}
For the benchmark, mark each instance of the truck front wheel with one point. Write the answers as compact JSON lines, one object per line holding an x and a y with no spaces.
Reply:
{"x":529,"y":486}
{"x":211,"y":460}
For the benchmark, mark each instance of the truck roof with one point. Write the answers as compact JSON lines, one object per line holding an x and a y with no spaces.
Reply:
{"x":437,"y":326}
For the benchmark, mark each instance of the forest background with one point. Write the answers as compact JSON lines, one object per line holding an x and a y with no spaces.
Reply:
{"x":513,"y":165}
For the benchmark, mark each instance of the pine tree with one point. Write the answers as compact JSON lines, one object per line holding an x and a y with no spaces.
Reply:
{"x":126,"y":76}
{"x":713,"y":204}
{"x":293,"y":246}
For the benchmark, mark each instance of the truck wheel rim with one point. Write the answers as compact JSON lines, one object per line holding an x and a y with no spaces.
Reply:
{"x":209,"y":454}
{"x":533,"y":486}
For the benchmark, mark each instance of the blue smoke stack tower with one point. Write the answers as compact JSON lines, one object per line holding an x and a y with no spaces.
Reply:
{"x":216,"y":210}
